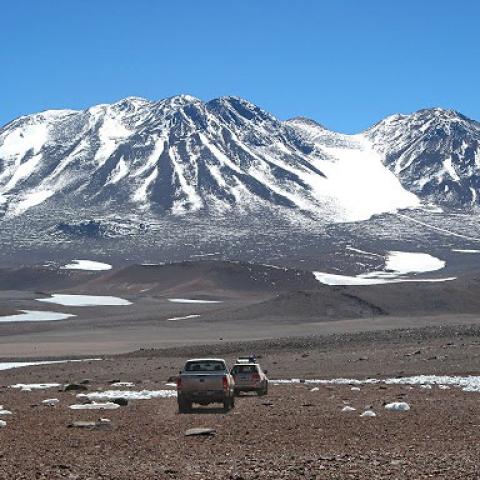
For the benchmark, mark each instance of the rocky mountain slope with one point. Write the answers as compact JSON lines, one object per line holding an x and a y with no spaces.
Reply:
{"x":227,"y":156}
{"x":435,"y":154}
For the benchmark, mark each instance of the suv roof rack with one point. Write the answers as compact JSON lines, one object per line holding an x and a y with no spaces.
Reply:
{"x":247,"y":359}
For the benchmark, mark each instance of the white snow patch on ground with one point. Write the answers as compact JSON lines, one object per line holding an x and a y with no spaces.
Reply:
{"x":468,"y":383}
{"x":397,"y":266}
{"x":188,"y":300}
{"x":10,"y":365}
{"x":95,"y":406}
{"x":186,"y":317}
{"x":335,"y":279}
{"x":458,"y":250}
{"x":84,"y":300}
{"x":348,"y":408}
{"x":128,"y":395}
{"x":397,"y":407}
{"x":4,"y":412}
{"x":35,"y":316}
{"x":123,"y":384}
{"x":368,"y":413}
{"x":51,"y":402}
{"x":3,"y":423}
{"x":412,"y":262}
{"x":28,"y":387}
{"x":86,"y":265}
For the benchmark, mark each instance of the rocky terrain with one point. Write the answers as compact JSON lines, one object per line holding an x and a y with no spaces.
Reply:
{"x":299,"y":430}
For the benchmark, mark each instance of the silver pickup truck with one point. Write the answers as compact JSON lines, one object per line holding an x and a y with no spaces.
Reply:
{"x":205,"y":381}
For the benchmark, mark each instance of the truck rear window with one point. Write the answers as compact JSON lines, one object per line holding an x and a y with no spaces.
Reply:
{"x":244,"y":369}
{"x":205,"y":366}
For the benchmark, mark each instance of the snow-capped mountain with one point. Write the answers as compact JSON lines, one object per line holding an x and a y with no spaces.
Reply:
{"x":435,"y":153}
{"x":181,"y":155}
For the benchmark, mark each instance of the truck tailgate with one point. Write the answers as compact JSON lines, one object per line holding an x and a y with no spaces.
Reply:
{"x":202,"y":382}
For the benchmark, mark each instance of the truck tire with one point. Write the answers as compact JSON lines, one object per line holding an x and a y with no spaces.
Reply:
{"x":263,"y":391}
{"x":184,"y":406}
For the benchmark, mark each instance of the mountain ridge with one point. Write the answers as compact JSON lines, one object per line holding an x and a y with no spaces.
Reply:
{"x":181,"y":155}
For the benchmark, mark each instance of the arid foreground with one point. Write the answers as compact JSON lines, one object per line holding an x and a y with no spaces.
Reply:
{"x":298,"y":431}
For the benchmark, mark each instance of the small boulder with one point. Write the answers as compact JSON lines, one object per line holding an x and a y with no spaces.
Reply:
{"x":200,"y":431}
{"x":70,"y":387}
{"x":123,"y":402}
{"x":397,"y":407}
{"x":368,"y":413}
{"x":100,"y":424}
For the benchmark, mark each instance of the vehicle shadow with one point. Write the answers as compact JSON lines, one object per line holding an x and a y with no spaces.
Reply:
{"x":208,"y":410}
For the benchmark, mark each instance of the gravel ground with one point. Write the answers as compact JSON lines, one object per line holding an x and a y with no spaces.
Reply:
{"x":292,"y":433}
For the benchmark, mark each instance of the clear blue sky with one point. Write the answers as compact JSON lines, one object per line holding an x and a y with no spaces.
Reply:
{"x":345,"y":63}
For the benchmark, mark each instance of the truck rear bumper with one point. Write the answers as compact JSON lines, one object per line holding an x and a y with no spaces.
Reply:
{"x":203,"y":397}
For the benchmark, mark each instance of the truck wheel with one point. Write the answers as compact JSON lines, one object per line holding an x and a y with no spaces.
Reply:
{"x":263,"y":391}
{"x":184,"y":406}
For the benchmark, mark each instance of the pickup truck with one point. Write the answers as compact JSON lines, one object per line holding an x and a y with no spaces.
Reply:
{"x":205,"y":381}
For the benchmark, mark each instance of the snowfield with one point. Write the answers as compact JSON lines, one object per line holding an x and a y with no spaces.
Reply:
{"x":35,"y":316}
{"x":84,"y":300}
{"x":397,"y":266}
{"x":88,"y":265}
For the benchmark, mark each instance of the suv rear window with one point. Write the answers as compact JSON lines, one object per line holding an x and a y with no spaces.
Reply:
{"x":204,"y":366}
{"x":244,"y":369}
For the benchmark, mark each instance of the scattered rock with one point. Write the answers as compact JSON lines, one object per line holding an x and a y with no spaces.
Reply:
{"x":75,"y":387}
{"x":397,"y":407}
{"x":100,"y":424}
{"x":3,"y":423}
{"x":368,"y":413}
{"x":123,"y":402}
{"x":348,"y":408}
{"x":315,"y":389}
{"x":124,"y":384}
{"x":51,"y":402}
{"x":416,"y":352}
{"x":200,"y":431}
